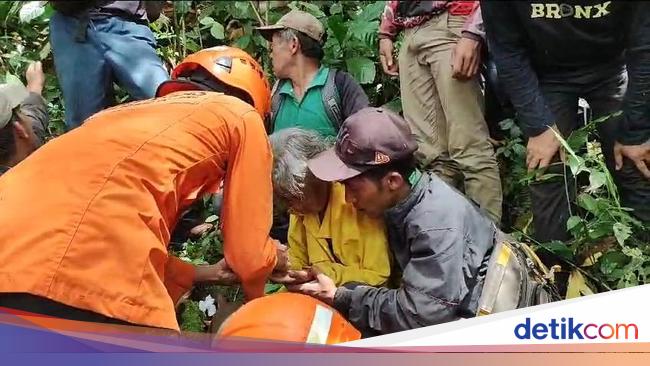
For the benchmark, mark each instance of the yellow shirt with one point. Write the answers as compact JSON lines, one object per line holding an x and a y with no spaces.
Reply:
{"x":348,"y":246}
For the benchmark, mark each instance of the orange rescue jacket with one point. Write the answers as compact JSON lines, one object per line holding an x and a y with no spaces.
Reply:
{"x":86,"y":219}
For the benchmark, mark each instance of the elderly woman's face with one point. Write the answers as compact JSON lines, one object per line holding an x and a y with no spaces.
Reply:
{"x":316,"y":194}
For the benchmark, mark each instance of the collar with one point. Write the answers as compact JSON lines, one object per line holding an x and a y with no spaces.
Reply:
{"x":319,"y":80}
{"x":419,"y":182}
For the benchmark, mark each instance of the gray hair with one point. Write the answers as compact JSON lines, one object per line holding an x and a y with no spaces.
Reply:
{"x":292,"y":149}
{"x":287,"y":34}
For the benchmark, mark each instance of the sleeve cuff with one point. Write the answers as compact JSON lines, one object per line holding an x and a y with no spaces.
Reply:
{"x":470,"y":35}
{"x":386,"y":36}
{"x":535,"y":131}
{"x":632,"y":139}
{"x":342,"y":300}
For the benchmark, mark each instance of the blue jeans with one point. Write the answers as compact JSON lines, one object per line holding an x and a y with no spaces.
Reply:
{"x":115,"y":50}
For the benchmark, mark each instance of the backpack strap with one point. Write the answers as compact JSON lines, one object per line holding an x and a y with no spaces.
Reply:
{"x":276,"y":104}
{"x":331,"y":99}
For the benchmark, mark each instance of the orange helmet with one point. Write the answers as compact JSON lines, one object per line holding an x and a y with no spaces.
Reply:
{"x":230,"y":66}
{"x":289,"y":317}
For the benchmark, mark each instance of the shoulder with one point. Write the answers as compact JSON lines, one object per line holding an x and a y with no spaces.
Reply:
{"x":343,"y":79}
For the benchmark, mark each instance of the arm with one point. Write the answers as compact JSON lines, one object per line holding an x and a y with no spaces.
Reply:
{"x":388,"y":28}
{"x":507,"y":47}
{"x":387,"y":31}
{"x":179,"y":277}
{"x":247,"y":208}
{"x":352,"y":96}
{"x":473,"y":28}
{"x":341,"y":274}
{"x":34,"y":107}
{"x":430,"y":293}
{"x":636,"y":107}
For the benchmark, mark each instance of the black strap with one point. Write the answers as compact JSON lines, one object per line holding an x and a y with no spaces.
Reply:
{"x":330,"y":95}
{"x":276,"y":104}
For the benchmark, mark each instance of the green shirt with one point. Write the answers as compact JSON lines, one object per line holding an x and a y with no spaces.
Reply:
{"x":309,"y":113}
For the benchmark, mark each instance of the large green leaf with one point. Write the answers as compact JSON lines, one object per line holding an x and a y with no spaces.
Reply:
{"x":577,"y":139}
{"x":312,"y":9}
{"x":336,"y":8}
{"x":243,"y":42}
{"x":597,"y":179}
{"x":573,"y":221}
{"x":372,"y":11}
{"x":338,"y":27}
{"x":622,"y":232}
{"x":588,"y":203}
{"x":559,"y":248}
{"x":207,"y":21}
{"x":365,"y":31}
{"x":30,"y":11}
{"x":362,"y":69}
{"x":182,"y":7}
{"x":217,"y":31}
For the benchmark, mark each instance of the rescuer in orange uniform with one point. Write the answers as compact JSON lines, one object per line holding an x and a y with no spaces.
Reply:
{"x":85,"y":221}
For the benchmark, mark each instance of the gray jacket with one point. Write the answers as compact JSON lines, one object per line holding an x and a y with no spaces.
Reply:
{"x":442,"y":243}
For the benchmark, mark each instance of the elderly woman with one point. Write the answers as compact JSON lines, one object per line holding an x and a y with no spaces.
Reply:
{"x":325,"y":232}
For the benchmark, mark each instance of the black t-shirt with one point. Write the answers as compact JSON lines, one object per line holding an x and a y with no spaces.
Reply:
{"x":532,"y":41}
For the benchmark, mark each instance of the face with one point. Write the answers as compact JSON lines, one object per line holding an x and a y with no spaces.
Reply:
{"x":315,"y":197}
{"x":282,"y":52}
{"x":373,"y":197}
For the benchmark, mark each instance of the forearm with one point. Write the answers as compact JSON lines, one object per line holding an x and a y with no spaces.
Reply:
{"x":391,"y":310}
{"x":518,"y":78}
{"x":342,"y":274}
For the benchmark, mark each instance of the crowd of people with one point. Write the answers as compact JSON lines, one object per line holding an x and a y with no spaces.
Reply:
{"x":391,"y":221}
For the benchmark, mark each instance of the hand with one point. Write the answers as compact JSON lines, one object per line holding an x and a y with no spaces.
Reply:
{"x":465,"y":59}
{"x":323,"y":288}
{"x":639,"y":154}
{"x":219,"y":274}
{"x":292,"y":277}
{"x":201,"y":229}
{"x":386,"y":57}
{"x":541,"y":149}
{"x":35,"y":77}
{"x":282,"y":264}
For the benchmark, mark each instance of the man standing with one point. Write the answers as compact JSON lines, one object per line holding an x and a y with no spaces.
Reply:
{"x":116,"y":187}
{"x":441,"y":96}
{"x":98,"y":42}
{"x":307,"y":94}
{"x":548,"y":55}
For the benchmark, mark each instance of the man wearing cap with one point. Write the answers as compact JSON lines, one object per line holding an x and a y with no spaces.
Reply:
{"x":23,"y":118}
{"x":307,"y":94}
{"x":440,"y":240}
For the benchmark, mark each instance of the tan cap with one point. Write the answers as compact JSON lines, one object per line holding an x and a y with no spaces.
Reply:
{"x":11,"y":95}
{"x":297,"y":20}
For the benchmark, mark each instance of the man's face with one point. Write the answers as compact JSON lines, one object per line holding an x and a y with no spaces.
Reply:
{"x":369,"y":196}
{"x":282,"y":52}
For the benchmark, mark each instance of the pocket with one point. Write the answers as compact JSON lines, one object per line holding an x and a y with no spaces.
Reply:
{"x":456,"y":23}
